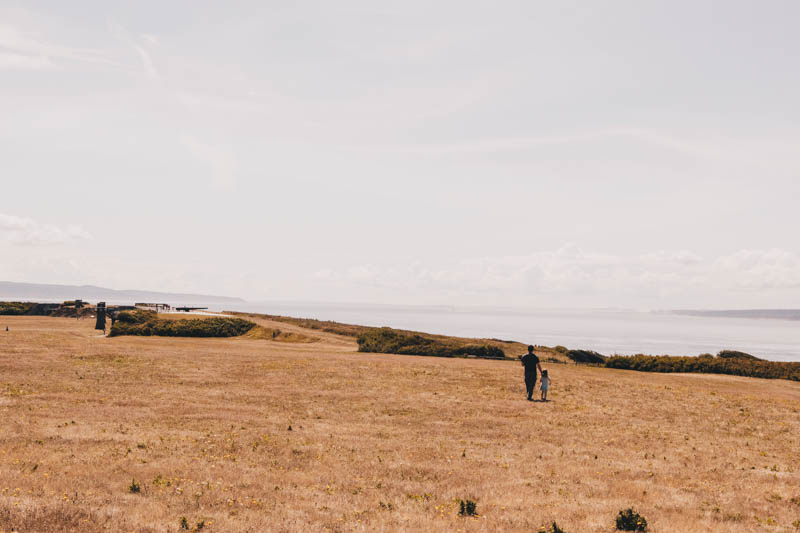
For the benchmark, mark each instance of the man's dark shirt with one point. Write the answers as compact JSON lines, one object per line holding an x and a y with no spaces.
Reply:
{"x":530,"y":361}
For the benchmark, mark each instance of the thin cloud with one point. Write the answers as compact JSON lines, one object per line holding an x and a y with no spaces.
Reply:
{"x":715,"y":148}
{"x":571,"y":270}
{"x":26,"y":49}
{"x":14,"y":61}
{"x":122,"y":35}
{"x":25,"y":231}
{"x":147,"y":61}
{"x":220,"y":160}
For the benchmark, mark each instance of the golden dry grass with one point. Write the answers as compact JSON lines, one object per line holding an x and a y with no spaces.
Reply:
{"x":378,"y":442}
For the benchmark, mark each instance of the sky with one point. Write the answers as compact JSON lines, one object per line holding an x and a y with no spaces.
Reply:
{"x":538,"y":154}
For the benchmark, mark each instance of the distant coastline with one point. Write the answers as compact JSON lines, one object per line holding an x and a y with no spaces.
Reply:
{"x":779,"y":314}
{"x":10,"y":290}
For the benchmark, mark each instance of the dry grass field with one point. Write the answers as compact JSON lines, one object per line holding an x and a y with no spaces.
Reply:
{"x":253,"y":434}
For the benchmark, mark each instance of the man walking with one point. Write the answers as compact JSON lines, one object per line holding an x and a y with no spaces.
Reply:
{"x":531,"y":363}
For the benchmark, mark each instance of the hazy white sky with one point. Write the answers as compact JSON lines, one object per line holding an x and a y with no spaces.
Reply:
{"x":619,"y":153}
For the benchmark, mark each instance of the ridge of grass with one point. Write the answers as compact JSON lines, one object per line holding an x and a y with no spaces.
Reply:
{"x":271,"y":334}
{"x":399,"y":341}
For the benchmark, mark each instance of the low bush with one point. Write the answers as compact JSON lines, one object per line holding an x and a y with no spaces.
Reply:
{"x":586,"y":356}
{"x":467,"y":508}
{"x":630,"y":520}
{"x":560,"y":349}
{"x":16,"y":308}
{"x":388,"y":340}
{"x":147,"y":323}
{"x":552,"y":528}
{"x":733,"y":354}
{"x":707,"y":364}
{"x":138,"y":316}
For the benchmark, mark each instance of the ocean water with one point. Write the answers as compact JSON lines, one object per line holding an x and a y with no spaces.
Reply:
{"x":606,"y":331}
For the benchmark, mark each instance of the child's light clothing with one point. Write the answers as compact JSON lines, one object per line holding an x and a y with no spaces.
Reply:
{"x":545,"y":382}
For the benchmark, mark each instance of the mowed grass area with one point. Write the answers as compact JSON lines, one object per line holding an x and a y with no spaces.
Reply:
{"x":377,"y":442}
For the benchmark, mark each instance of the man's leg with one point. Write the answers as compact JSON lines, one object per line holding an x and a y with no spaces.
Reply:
{"x":530,"y":385}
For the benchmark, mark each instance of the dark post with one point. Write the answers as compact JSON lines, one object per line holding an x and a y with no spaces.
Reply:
{"x":101,"y":316}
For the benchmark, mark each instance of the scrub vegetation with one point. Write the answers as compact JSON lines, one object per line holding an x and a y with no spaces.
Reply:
{"x":585,"y":356}
{"x":723,"y":363}
{"x":148,"y":323}
{"x":239,"y":434}
{"x":388,"y":340}
{"x":16,"y":308}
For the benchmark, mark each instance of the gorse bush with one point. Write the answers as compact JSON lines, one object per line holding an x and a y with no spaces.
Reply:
{"x":552,"y":528}
{"x":707,"y":364}
{"x":586,"y":356}
{"x":16,"y":308}
{"x":733,"y":354}
{"x":147,"y":323}
{"x":630,"y":520}
{"x":467,"y":508}
{"x":388,"y":340}
{"x":138,"y":316}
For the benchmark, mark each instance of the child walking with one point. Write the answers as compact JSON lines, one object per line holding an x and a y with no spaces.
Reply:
{"x":545,"y":385}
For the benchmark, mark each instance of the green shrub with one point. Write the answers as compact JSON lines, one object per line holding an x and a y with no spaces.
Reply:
{"x":467,"y":508}
{"x":586,"y":356}
{"x":630,"y":520}
{"x":552,"y":528}
{"x":733,"y":354}
{"x":707,"y":364}
{"x":388,"y":340}
{"x":147,"y":323}
{"x":560,"y":349}
{"x":134,"y":487}
{"x":16,"y":308}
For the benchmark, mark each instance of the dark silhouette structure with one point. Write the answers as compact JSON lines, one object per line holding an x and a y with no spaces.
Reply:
{"x":101,"y":316}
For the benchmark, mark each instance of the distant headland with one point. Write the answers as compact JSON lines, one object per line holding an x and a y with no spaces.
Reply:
{"x":10,"y":290}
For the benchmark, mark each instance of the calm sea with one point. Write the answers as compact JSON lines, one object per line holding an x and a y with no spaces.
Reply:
{"x":606,"y":331}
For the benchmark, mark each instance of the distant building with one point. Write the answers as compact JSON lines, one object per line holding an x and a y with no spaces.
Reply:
{"x":158,"y":308}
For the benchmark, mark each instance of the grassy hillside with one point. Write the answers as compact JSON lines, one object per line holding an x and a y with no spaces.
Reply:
{"x":273,"y":334}
{"x":398,"y":341}
{"x":388,"y":340}
{"x":162,"y":434}
{"x":147,"y":323}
